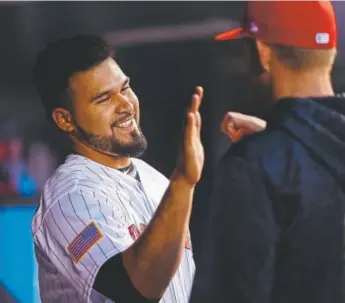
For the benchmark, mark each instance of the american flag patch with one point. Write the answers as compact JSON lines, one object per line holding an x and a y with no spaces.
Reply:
{"x":83,"y":242}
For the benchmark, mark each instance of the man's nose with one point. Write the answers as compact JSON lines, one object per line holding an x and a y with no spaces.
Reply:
{"x":125,"y":105}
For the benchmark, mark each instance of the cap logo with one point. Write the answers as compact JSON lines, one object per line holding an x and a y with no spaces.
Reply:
{"x":322,"y":38}
{"x":253,"y":28}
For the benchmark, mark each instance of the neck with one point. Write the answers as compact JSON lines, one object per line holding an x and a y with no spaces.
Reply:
{"x":112,"y":161}
{"x":300,"y":84}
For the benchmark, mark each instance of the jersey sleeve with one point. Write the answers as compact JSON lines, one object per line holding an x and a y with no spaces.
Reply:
{"x":80,"y":233}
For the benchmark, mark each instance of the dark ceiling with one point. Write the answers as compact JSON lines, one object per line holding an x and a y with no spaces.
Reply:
{"x":25,"y":27}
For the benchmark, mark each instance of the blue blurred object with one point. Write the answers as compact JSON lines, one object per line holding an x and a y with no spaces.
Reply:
{"x":26,"y":185}
{"x":18,"y":267}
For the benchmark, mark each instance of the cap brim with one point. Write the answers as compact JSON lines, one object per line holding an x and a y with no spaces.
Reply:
{"x":236,"y":33}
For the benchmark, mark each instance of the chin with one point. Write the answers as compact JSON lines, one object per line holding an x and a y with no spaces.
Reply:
{"x":132,"y":148}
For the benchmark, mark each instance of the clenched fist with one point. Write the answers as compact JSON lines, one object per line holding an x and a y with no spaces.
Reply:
{"x":236,"y":125}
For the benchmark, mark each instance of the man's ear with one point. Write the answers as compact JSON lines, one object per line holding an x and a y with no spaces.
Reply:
{"x":63,"y":119}
{"x":265,"y":54}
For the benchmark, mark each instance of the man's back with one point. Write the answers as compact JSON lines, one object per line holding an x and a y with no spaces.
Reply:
{"x":279,"y":231}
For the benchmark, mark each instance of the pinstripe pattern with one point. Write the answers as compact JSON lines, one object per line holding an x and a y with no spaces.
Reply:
{"x":82,"y":191}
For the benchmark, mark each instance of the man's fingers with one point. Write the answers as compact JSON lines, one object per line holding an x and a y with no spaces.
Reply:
{"x":227,"y":123}
{"x":196,"y":99}
{"x":237,"y":135}
{"x":190,"y":131}
{"x":193,"y":125}
{"x":195,"y":103}
{"x":247,"y":122}
{"x":199,"y":91}
{"x":236,"y":125}
{"x":198,"y":123}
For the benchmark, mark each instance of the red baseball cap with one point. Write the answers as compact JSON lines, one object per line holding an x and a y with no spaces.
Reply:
{"x":302,"y":24}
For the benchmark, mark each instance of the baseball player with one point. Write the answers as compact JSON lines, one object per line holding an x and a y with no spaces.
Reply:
{"x":277,"y":211}
{"x":109,"y":227}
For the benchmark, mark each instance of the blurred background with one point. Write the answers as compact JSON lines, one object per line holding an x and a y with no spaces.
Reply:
{"x":166,"y":48}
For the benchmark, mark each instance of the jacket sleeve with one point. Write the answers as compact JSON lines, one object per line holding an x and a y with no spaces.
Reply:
{"x":237,"y":261}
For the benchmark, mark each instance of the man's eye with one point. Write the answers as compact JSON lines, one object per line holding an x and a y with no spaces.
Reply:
{"x":104,"y":100}
{"x":124,"y":89}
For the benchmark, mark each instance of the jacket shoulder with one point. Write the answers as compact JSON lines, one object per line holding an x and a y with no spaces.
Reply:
{"x":274,"y":153}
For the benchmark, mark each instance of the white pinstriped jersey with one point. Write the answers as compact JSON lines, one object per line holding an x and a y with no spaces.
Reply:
{"x":80,"y":192}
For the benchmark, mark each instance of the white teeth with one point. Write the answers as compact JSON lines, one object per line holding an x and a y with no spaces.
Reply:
{"x":126,"y":124}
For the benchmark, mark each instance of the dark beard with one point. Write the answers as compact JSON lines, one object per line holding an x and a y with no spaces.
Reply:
{"x":109,"y":145}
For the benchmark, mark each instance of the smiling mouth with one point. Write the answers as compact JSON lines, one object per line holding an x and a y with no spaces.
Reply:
{"x":126,"y":126}
{"x":123,"y":122}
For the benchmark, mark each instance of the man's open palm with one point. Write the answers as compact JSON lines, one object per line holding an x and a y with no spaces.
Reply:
{"x":191,"y":158}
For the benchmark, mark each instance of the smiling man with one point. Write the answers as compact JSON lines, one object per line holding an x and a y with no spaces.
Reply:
{"x":109,"y":227}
